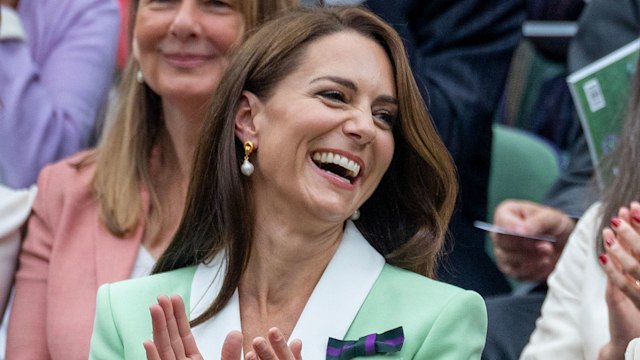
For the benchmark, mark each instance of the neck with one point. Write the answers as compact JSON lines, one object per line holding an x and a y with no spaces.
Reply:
{"x":284,"y":268}
{"x":287,"y":262}
{"x":181,"y":133}
{"x":170,"y":171}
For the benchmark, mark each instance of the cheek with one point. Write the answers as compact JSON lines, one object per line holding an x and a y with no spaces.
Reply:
{"x":224,"y":34}
{"x":386,"y":147}
{"x":144,"y":42}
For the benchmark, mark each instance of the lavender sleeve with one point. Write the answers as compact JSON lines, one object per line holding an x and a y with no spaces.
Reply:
{"x":53,"y":85}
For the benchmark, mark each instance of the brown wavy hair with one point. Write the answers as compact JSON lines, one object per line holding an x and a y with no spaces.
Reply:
{"x":406,"y":217}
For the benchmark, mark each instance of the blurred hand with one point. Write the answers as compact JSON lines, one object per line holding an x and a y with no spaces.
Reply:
{"x":622,"y":266}
{"x":172,"y":338}
{"x":10,"y":3}
{"x":621,"y":260}
{"x":526,"y":259}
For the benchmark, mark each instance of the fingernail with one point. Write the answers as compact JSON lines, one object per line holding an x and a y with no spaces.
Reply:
{"x":615,"y":222}
{"x":608,"y":241}
{"x":603,"y":259}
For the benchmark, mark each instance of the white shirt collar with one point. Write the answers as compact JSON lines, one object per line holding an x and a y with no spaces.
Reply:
{"x":329,"y":312}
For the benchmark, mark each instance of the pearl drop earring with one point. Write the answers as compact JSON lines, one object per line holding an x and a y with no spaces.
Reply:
{"x":355,"y":216}
{"x":139,"y":76}
{"x":247,"y":166}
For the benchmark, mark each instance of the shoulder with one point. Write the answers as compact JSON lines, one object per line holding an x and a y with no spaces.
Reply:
{"x":79,"y":167}
{"x":122,"y":320}
{"x":72,"y":176}
{"x":412,"y":285}
{"x":432,"y":314}
{"x":149,"y":287}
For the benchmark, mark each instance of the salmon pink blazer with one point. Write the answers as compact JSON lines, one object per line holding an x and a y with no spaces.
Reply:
{"x":66,"y":255}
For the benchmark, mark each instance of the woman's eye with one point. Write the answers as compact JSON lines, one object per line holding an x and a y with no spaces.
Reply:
{"x":217,"y":3}
{"x":333,"y":95}
{"x":387,"y":118}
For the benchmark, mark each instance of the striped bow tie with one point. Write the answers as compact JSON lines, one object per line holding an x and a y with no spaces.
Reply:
{"x":372,"y":344}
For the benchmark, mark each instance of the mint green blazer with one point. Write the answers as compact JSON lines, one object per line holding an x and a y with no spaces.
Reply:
{"x":440,"y":321}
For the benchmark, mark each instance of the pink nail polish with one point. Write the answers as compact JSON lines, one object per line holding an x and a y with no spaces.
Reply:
{"x":615,"y":222}
{"x":603,"y":259}
{"x":609,"y":242}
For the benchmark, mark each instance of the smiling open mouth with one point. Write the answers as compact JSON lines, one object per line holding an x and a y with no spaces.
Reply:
{"x":337,"y":165}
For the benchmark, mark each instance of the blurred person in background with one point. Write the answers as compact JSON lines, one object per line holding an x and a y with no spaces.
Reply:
{"x":57,"y":59}
{"x":602,"y":28}
{"x":585,"y":315}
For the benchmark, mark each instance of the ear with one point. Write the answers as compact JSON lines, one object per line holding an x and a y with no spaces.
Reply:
{"x":249,"y":107}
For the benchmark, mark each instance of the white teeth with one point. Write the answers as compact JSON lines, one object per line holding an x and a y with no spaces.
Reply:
{"x":331,"y":158}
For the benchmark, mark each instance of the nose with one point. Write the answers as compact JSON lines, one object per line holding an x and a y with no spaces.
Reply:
{"x":360,"y":127}
{"x":186,"y":22}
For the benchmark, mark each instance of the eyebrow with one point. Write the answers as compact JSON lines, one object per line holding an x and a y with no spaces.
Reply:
{"x":351,"y":85}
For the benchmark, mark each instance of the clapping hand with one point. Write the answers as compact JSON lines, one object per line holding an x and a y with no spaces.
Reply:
{"x":620,"y":262}
{"x":173,"y":340}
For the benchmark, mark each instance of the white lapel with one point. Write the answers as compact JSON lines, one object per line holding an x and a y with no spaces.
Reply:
{"x":339,"y":294}
{"x":207,"y":282}
{"x":331,"y":308}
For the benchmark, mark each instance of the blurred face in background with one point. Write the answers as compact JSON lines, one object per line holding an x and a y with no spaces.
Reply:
{"x":183,"y":46}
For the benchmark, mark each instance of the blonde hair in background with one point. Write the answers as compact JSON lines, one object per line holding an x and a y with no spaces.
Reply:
{"x":122,"y":156}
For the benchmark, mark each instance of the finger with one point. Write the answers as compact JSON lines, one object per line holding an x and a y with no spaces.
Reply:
{"x":621,"y":281}
{"x":232,"y":346}
{"x":535,"y":270}
{"x":514,"y":243}
{"x":515,"y":257}
{"x":534,"y":266}
{"x":263,"y":349}
{"x":279,"y":344}
{"x":150,"y":350}
{"x":251,"y":356}
{"x":634,"y":214}
{"x":172,"y":326}
{"x":161,"y":337}
{"x":188,"y":342}
{"x":623,"y":213}
{"x":625,"y":261}
{"x":296,"y":348}
{"x":626,"y":235}
{"x":510,"y":213}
